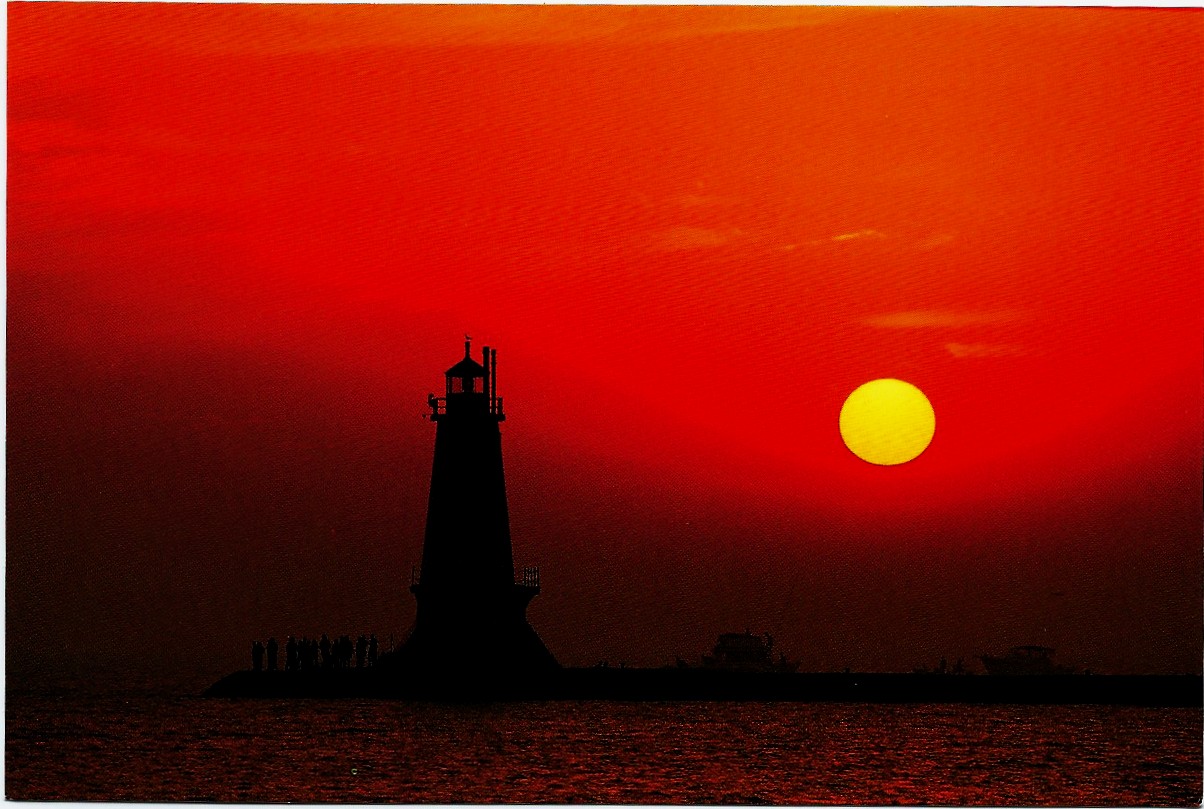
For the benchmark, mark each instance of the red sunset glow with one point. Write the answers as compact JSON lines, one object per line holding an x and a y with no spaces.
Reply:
{"x":244,"y":241}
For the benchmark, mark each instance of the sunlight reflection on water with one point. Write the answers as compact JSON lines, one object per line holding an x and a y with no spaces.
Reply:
{"x":156,"y":749}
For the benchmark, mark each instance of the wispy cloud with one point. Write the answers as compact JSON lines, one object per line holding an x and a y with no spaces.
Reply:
{"x":693,"y":238}
{"x":292,"y":28}
{"x":939,"y":318}
{"x":936,"y":240}
{"x":865,"y":233}
{"x":868,"y":234}
{"x":985,"y":350}
{"x":755,"y":19}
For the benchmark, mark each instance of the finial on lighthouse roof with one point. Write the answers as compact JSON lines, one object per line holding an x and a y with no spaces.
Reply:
{"x":467,"y":346}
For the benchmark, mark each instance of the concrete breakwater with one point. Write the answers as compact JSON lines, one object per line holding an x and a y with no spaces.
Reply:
{"x":697,"y":684}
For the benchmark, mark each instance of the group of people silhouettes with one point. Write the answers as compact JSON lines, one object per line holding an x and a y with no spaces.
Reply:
{"x":308,"y":654}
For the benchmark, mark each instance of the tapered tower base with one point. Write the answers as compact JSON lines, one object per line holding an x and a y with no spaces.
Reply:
{"x":459,"y":632}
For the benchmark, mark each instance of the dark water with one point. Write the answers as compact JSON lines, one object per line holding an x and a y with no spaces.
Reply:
{"x":139,"y":748}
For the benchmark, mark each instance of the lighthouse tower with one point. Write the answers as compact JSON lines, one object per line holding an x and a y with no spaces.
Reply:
{"x":471,"y":611}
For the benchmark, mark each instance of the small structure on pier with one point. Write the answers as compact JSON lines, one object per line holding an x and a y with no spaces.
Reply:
{"x":747,"y":652}
{"x":471,"y":609}
{"x":1025,"y":660}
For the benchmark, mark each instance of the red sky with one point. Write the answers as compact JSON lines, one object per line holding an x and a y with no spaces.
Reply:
{"x":244,"y":241}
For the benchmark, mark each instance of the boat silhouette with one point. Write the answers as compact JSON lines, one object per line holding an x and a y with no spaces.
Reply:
{"x":1025,"y":661}
{"x":744,"y":651}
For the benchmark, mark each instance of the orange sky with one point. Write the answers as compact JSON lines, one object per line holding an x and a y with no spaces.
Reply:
{"x":690,"y":232}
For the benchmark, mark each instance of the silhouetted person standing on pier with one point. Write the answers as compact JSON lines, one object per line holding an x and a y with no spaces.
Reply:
{"x":324,"y":645}
{"x":257,"y":655}
{"x":273,"y":653}
{"x":361,"y":651}
{"x":372,"y":651}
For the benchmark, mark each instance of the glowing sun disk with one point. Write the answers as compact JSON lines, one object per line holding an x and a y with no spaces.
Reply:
{"x":887,"y":422}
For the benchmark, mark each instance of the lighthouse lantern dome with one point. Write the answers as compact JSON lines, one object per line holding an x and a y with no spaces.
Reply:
{"x":462,"y":377}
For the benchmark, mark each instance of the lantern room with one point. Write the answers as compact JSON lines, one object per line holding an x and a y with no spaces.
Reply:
{"x":471,"y":387}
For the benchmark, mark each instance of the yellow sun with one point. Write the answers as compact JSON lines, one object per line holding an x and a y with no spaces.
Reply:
{"x":887,"y":422}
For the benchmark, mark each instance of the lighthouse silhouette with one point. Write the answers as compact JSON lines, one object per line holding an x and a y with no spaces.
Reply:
{"x":471,"y":611}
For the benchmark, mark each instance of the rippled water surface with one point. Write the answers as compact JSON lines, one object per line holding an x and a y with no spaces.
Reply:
{"x":161,"y":749}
